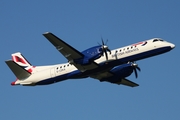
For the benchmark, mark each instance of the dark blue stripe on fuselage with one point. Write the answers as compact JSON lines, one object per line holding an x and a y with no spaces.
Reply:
{"x":104,"y":66}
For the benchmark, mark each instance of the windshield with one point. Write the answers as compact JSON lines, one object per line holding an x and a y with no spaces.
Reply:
{"x":155,"y":40}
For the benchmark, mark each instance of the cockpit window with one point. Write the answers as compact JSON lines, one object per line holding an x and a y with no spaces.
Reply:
{"x":158,"y":40}
{"x":155,"y":40}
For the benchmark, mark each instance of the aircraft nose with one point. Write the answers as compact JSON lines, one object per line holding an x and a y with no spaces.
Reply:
{"x":172,"y":46}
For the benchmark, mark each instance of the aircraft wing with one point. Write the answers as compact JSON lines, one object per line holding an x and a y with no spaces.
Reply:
{"x":69,"y":52}
{"x":108,"y":74}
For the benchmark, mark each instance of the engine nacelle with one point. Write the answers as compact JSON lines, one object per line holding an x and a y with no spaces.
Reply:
{"x":120,"y":72}
{"x":90,"y":55}
{"x":123,"y":70}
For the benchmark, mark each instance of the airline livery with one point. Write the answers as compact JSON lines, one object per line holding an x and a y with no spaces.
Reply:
{"x":98,"y":62}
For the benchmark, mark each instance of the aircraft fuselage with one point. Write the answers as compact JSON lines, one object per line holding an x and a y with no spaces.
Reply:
{"x":43,"y":75}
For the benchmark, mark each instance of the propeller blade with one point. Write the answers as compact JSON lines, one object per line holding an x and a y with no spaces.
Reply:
{"x":138,"y":68}
{"x":106,"y":55}
{"x":105,"y":49}
{"x":102,"y":42}
{"x":106,"y":42}
{"x":135,"y":71}
{"x":135,"y":68}
{"x":109,"y":50}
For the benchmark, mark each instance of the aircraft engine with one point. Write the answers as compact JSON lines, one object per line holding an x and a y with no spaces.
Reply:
{"x":90,"y":55}
{"x":122,"y":71}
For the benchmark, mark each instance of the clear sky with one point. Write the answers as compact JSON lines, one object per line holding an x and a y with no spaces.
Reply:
{"x":81,"y":24}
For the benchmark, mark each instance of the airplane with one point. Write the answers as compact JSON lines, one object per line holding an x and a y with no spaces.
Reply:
{"x":98,"y":62}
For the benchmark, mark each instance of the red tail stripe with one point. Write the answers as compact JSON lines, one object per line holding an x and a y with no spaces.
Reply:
{"x":31,"y":69}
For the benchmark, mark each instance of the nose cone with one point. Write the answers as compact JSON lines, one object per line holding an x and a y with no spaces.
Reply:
{"x":172,"y":46}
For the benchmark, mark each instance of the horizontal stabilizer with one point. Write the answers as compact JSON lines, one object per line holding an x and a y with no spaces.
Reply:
{"x":27,"y":84}
{"x":18,"y":71}
{"x":127,"y":83}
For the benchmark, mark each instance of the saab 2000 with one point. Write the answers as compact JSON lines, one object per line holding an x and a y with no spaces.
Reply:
{"x":98,"y":62}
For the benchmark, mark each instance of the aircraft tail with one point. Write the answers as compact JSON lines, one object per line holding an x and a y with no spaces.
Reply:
{"x":20,"y":66}
{"x":19,"y":59}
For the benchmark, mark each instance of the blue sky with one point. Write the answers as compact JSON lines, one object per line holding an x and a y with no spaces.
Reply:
{"x":81,"y":24}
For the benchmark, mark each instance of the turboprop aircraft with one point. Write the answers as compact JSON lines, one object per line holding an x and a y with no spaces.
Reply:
{"x":98,"y":62}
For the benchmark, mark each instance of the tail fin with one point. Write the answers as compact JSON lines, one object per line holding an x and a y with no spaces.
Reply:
{"x":21,"y":68}
{"x":19,"y":59}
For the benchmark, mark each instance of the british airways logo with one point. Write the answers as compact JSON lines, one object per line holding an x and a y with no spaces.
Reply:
{"x":125,"y":52}
{"x":140,"y":43}
{"x":20,"y":61}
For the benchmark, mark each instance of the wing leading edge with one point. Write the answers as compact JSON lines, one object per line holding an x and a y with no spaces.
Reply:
{"x":69,"y":52}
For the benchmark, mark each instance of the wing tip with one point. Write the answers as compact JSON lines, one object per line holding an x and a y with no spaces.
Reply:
{"x":128,"y":83}
{"x":47,"y":33}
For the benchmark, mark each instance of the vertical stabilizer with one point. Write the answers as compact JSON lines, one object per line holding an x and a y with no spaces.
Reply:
{"x":19,"y":59}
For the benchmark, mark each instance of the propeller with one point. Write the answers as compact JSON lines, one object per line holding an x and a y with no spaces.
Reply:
{"x":135,"y":68}
{"x":105,"y":49}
